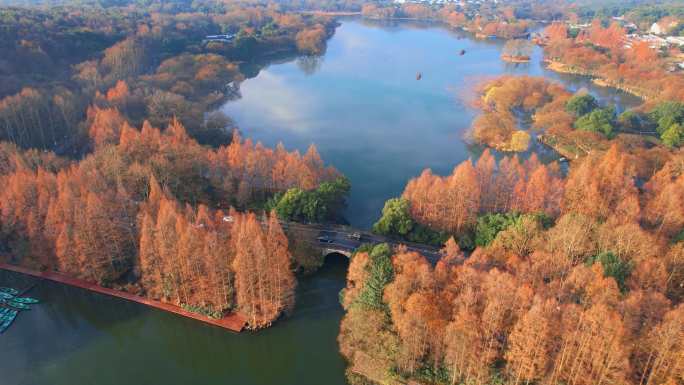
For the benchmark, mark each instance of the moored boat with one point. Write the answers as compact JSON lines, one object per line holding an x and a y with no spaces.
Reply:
{"x":18,"y":305}
{"x":26,"y":300}
{"x":9,"y":290}
{"x":7,"y":319}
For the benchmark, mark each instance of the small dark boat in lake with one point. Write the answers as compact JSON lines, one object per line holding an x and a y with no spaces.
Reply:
{"x":462,"y":52}
{"x":419,"y":76}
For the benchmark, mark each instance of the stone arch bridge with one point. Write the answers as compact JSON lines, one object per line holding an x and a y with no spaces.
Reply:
{"x":345,"y":240}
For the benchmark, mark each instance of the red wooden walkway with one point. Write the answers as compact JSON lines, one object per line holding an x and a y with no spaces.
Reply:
{"x":234,"y":321}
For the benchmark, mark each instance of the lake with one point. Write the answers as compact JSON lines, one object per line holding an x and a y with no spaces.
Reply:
{"x":363,"y":107}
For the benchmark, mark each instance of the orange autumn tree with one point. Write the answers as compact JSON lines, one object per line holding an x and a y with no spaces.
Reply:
{"x":452,"y":203}
{"x":504,"y":99}
{"x":264,"y":280}
{"x":140,"y":207}
{"x":105,"y":125}
{"x":606,"y":53}
{"x":593,"y":296}
{"x":600,"y":184}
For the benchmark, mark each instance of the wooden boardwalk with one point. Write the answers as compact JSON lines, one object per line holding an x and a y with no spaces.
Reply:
{"x":233,"y":322}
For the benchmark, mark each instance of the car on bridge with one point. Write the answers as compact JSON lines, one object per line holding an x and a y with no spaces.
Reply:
{"x":356,"y":235}
{"x":325,"y":240}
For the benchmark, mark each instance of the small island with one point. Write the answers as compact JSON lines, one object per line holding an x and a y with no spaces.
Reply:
{"x":517,"y":51}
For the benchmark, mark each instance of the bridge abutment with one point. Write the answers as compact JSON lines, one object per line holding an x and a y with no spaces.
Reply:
{"x":328,"y":251}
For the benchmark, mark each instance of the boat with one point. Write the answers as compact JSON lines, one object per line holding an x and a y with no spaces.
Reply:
{"x":18,"y":305}
{"x":419,"y":76}
{"x":7,"y":320}
{"x":4,"y":312}
{"x":9,"y":290}
{"x":462,"y":52}
{"x":26,"y":300}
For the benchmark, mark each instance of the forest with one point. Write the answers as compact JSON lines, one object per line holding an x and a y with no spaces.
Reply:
{"x":153,"y":65}
{"x":504,"y":22}
{"x":515,"y":108}
{"x":116,"y":173}
{"x":152,"y":213}
{"x":600,"y":52}
{"x":571,"y":279}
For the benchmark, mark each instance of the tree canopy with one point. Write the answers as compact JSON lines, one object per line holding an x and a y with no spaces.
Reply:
{"x":601,"y":120}
{"x":581,"y":105}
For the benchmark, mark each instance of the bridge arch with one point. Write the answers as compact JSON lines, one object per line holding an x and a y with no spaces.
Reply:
{"x":335,"y":263}
{"x":330,"y":251}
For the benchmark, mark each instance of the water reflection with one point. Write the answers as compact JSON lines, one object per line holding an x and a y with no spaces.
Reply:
{"x":80,"y":338}
{"x":309,"y":64}
{"x":368,"y":114}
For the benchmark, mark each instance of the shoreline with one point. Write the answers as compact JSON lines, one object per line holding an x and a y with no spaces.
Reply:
{"x":559,"y":67}
{"x":461,"y":28}
{"x":331,"y":13}
{"x":556,"y":144}
{"x":515,"y":59}
{"x":233,"y":322}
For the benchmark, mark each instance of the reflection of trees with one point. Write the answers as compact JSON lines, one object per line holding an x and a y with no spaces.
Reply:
{"x":309,"y":64}
{"x":518,"y":48}
{"x":380,"y":23}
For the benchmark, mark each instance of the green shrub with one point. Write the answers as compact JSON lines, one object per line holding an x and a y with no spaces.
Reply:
{"x":630,"y":120}
{"x":205,"y":311}
{"x":380,"y":274}
{"x":613,"y":266}
{"x":489,"y":225}
{"x":322,"y":204}
{"x":679,"y":237}
{"x":666,"y":114}
{"x":396,"y":221}
{"x":673,"y":136}
{"x":601,"y":120}
{"x":581,"y":104}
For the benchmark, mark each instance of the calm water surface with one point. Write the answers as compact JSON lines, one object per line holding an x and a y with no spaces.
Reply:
{"x":363,"y":107}
{"x":75,"y":337}
{"x":368,"y":115}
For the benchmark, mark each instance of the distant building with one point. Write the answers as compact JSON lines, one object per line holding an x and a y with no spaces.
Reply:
{"x":579,"y":26}
{"x":655,"y":42}
{"x":656,"y":29}
{"x":662,"y":26}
